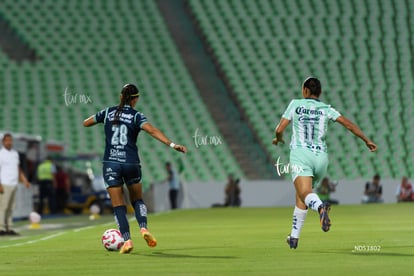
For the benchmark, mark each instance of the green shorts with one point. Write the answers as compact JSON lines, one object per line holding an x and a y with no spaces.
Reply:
{"x":304,"y":162}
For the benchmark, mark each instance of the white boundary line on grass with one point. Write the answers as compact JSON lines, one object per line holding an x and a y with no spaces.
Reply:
{"x":34,"y":241}
{"x":64,"y":232}
{"x":54,"y":235}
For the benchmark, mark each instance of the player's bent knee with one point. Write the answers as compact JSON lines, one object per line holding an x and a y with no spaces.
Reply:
{"x":302,"y":194}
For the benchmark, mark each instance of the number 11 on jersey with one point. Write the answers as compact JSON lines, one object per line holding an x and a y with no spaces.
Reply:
{"x":309,"y":132}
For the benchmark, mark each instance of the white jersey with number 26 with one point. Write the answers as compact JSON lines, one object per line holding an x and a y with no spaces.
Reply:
{"x":309,"y":119}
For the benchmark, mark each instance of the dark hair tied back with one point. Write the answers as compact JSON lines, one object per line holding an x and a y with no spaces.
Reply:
{"x":128,"y":93}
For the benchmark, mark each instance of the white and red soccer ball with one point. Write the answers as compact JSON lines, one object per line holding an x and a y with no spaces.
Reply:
{"x":112,"y":240}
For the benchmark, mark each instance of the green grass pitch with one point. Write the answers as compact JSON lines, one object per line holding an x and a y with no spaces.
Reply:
{"x":364,"y":240}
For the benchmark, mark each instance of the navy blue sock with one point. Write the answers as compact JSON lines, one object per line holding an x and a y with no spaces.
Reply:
{"x":140,"y":213}
{"x":121,"y":219}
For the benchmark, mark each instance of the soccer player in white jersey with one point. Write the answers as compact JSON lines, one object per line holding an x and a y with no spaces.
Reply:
{"x":308,"y":151}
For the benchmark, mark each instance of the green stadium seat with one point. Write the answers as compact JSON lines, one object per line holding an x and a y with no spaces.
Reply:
{"x":90,"y":50}
{"x":364,"y":65}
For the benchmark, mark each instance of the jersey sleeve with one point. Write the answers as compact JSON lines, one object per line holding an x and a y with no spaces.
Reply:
{"x":140,"y":119}
{"x":288,"y":114}
{"x":100,"y":116}
{"x":333,"y":114}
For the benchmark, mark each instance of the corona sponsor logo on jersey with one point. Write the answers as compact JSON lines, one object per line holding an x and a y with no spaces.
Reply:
{"x":300,"y":110}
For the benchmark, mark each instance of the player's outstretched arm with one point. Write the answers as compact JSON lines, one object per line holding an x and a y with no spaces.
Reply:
{"x":279,"y":131}
{"x":157,"y":134}
{"x":90,"y":121}
{"x":356,"y":131}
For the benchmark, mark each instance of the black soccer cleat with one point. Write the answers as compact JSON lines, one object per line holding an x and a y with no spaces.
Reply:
{"x":293,"y":242}
{"x":324,"y":216}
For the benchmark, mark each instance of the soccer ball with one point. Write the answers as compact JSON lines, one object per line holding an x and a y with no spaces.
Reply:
{"x":112,"y":240}
{"x":34,"y":217}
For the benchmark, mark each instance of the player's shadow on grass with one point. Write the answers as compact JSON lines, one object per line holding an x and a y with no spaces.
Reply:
{"x":164,"y":254}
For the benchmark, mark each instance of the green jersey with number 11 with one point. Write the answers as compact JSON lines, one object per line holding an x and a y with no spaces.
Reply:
{"x":310,"y":119}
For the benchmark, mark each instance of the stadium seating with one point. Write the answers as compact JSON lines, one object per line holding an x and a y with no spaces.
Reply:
{"x":88,"y":50}
{"x":359,"y":49}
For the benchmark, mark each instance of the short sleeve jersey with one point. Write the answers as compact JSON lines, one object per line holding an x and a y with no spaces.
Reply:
{"x":9,"y":167}
{"x":121,"y":138}
{"x":310,"y":119}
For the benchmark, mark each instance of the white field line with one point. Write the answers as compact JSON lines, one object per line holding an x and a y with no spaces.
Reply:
{"x":63,"y":232}
{"x":35,"y":240}
{"x":48,"y":237}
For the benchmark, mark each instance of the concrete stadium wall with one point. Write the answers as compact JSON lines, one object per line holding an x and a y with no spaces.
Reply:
{"x":258,"y":193}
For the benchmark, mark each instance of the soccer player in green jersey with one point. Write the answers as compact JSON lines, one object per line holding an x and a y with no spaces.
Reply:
{"x":308,"y":151}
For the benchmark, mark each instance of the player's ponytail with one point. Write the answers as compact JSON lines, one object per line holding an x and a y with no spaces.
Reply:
{"x":314,"y":86}
{"x":128,"y":93}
